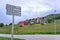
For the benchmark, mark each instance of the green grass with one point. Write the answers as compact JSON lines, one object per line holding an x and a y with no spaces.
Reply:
{"x":34,"y":29}
{"x":3,"y":38}
{"x":58,"y":27}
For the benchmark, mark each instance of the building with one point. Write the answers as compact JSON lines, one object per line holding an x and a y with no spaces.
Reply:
{"x":23,"y":23}
{"x":38,"y":20}
{"x":41,"y":20}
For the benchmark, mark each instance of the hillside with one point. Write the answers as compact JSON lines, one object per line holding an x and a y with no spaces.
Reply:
{"x":48,"y":28}
{"x":53,"y":17}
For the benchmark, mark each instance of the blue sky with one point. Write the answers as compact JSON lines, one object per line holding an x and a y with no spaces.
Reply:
{"x":30,"y":9}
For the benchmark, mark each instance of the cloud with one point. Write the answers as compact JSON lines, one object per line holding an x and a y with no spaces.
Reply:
{"x":35,"y":6}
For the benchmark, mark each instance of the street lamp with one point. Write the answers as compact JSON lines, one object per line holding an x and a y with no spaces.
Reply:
{"x":55,"y":21}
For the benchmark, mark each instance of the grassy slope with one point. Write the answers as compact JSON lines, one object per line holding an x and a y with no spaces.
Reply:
{"x":34,"y":29}
{"x":57,"y":21}
{"x":58,"y":26}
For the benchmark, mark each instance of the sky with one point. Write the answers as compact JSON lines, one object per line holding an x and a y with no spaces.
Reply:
{"x":29,"y":9}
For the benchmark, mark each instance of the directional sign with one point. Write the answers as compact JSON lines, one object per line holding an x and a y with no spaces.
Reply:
{"x":13,"y":10}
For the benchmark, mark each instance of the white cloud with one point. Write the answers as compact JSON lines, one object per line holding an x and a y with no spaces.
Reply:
{"x":34,"y":6}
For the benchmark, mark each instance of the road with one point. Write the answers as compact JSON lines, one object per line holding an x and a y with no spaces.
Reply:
{"x":34,"y":37}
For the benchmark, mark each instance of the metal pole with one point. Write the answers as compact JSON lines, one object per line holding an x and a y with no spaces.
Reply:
{"x":55,"y":22}
{"x":12,"y":27}
{"x":55,"y":16}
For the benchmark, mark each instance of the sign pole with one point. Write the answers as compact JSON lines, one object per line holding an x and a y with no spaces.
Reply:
{"x":12,"y":27}
{"x":13,"y":10}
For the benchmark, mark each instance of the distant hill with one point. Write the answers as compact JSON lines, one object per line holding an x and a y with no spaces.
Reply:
{"x":53,"y":17}
{"x":49,"y":18}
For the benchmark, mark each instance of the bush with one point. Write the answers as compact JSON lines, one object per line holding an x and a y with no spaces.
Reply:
{"x":1,"y":24}
{"x":6,"y":25}
{"x":42,"y":23}
{"x":10,"y":24}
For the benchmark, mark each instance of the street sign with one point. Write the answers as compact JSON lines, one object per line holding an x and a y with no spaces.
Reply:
{"x":13,"y":10}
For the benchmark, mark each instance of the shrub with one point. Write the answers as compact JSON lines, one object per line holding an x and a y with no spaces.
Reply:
{"x":10,"y":24}
{"x":42,"y":23}
{"x":1,"y":24}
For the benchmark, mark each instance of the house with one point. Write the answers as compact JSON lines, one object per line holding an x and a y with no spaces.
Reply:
{"x":41,"y":20}
{"x":23,"y":23}
{"x":38,"y":20}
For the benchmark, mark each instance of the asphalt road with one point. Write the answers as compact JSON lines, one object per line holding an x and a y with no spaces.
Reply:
{"x":34,"y":37}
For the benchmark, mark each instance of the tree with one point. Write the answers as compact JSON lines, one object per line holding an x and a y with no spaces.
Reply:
{"x":1,"y":24}
{"x":10,"y":24}
{"x":6,"y":25}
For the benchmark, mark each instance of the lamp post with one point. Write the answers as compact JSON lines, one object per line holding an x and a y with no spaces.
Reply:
{"x":55,"y":16}
{"x":55,"y":21}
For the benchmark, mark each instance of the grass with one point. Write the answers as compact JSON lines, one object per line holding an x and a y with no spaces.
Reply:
{"x":34,"y":29}
{"x":58,"y":27}
{"x":3,"y":38}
